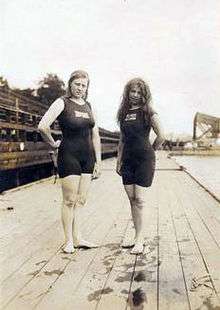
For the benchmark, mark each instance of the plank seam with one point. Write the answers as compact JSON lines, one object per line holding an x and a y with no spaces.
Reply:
{"x":52,"y":284}
{"x":18,"y":292}
{"x":198,"y":246}
{"x":200,"y":251}
{"x":97,"y":304}
{"x":181,"y":262}
{"x":201,"y":185}
{"x":131,"y":282}
{"x":50,"y":258}
{"x":203,"y":221}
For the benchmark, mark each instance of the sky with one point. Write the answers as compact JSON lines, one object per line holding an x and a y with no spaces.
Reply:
{"x":174,"y":45}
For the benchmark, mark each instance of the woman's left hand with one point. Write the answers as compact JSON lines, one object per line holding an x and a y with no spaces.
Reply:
{"x":97,"y":171}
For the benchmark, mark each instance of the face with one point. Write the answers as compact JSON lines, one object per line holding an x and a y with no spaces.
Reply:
{"x":135,"y":94}
{"x":78,"y":87}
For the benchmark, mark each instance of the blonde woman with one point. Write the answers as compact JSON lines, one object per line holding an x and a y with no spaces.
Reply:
{"x":79,"y":153}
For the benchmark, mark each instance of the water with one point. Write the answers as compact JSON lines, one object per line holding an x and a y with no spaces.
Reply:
{"x":206,"y":169}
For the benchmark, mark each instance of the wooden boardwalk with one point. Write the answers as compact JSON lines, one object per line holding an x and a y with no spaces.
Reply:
{"x":180,"y":272}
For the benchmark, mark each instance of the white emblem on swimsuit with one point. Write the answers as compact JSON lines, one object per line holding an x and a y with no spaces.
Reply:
{"x":81,"y":114}
{"x":131,"y":117}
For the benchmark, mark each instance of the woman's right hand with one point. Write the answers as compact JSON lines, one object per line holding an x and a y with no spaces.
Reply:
{"x":54,"y":152}
{"x":118,"y":167}
{"x":56,"y":144}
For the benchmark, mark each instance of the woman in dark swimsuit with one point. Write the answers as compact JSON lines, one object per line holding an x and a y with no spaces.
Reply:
{"x":79,"y":153}
{"x":136,"y":155}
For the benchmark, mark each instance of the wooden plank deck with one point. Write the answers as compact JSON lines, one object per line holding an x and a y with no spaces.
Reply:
{"x":181,"y":269}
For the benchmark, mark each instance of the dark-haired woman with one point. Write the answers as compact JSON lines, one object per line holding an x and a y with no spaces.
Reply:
{"x":136,"y":155}
{"x":79,"y":153}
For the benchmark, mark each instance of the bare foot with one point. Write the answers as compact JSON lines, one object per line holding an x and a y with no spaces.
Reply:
{"x":127,"y":245}
{"x":68,"y":248}
{"x":86,"y":244}
{"x":147,"y":249}
{"x":138,"y":248}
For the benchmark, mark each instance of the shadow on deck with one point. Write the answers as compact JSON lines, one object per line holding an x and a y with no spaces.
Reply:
{"x":180,"y":268}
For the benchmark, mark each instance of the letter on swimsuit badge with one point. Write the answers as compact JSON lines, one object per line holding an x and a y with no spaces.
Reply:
{"x":131,"y":117}
{"x":81,"y":114}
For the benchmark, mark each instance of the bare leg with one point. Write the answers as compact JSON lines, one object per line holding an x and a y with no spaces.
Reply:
{"x":139,"y":204}
{"x":70,"y":186}
{"x":82,"y":194}
{"x":130,"y":190}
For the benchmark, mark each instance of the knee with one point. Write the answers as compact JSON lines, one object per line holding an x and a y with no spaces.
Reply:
{"x":132,"y":201}
{"x":70,"y":202}
{"x":81,"y":201}
{"x":139,"y":202}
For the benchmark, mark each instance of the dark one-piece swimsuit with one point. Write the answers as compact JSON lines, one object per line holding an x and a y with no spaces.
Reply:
{"x":76,"y":152}
{"x":138,"y":157}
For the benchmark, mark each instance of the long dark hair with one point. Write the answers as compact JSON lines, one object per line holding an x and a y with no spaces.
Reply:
{"x":78,"y":74}
{"x":145,"y":100}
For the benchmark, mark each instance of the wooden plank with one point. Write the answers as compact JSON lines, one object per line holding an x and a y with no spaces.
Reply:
{"x":116,"y":288}
{"x":133,"y":270}
{"x":29,"y":221}
{"x":90,"y":274}
{"x":35,"y":290}
{"x":171,"y":286}
{"x":29,"y":218}
{"x":40,"y":284}
{"x":206,"y":242}
{"x":205,"y":206}
{"x":165,"y":163}
{"x":183,"y":243}
{"x":192,"y":260}
{"x":111,"y":219}
{"x":28,"y":271}
{"x":117,"y":285}
{"x":14,"y":263}
{"x":143,"y":291}
{"x":30,"y":268}
{"x":44,"y":250}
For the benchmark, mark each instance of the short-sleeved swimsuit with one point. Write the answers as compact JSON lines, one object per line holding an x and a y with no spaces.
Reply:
{"x":138,"y":157}
{"x":76,"y":152}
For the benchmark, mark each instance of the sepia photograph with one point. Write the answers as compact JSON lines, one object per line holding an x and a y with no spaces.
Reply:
{"x":110,"y":155}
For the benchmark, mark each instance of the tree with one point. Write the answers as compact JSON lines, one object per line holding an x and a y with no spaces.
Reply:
{"x":29,"y":92}
{"x":50,"y":88}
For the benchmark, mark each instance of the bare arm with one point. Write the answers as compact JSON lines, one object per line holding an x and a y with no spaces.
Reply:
{"x":96,"y":143}
{"x":119,"y":156}
{"x":47,"y":120}
{"x":97,"y":148}
{"x":96,"y":139}
{"x":120,"y":148}
{"x":157,"y":128}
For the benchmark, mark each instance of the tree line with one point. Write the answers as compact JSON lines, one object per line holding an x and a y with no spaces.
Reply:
{"x":49,"y":89}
